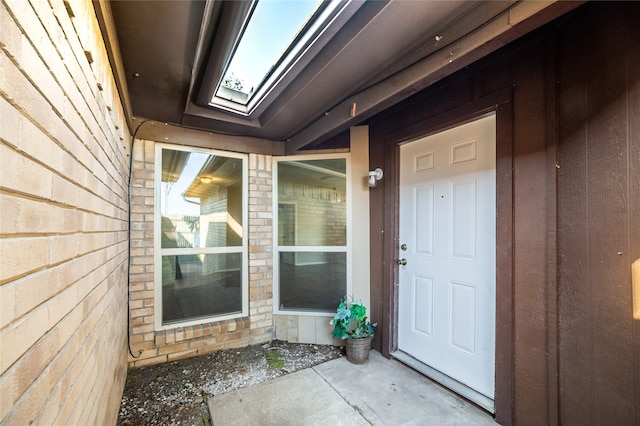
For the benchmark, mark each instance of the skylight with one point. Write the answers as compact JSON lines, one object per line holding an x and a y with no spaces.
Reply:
{"x":275,"y":36}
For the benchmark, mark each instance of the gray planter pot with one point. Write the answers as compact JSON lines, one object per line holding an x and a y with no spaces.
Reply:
{"x":358,"y":350}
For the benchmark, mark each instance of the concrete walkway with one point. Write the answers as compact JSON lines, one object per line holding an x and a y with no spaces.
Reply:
{"x":381,"y":392}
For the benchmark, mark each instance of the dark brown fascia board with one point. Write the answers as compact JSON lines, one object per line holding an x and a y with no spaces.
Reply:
{"x":517,"y":20}
{"x":158,"y":131}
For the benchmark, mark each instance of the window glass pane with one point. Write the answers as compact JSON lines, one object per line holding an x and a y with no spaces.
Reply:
{"x":200,"y":200}
{"x":312,"y":280}
{"x":273,"y":26}
{"x":201,"y":285}
{"x":312,"y":208}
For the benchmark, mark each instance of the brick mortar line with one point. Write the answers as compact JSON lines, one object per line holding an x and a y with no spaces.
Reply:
{"x":49,"y":201}
{"x":55,"y":172}
{"x":57,"y":264}
{"x":122,"y":162}
{"x":98,"y":286}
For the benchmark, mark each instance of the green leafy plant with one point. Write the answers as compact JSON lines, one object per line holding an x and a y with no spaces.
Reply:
{"x":275,"y":361}
{"x":350,"y":321}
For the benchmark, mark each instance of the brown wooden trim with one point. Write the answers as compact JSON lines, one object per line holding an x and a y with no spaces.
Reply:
{"x":552,"y":138}
{"x":378,"y":311}
{"x":390,"y":285}
{"x":505,"y":368}
{"x":452,"y":118}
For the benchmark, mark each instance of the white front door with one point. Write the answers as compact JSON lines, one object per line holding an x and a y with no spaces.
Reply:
{"x":446,"y":308}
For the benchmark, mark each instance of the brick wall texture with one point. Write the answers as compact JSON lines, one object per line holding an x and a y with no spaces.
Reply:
{"x":150,"y":346}
{"x":63,"y":223}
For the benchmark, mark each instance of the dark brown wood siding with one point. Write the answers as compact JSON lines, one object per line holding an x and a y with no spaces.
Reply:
{"x":568,"y":202}
{"x":598,"y":206}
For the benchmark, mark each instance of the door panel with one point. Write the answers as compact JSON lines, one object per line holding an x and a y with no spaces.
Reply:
{"x":423,"y":218}
{"x":423,"y":305}
{"x":462,"y":316}
{"x":463,"y":220}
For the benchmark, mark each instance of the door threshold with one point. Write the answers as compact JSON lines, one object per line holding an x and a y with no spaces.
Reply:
{"x":461,"y":389}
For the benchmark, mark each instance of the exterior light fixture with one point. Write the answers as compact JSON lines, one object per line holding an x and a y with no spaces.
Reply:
{"x":374,"y":177}
{"x":205,"y":179}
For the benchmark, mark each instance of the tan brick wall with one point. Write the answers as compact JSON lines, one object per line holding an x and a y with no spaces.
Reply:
{"x":260,"y":248}
{"x":150,"y":346}
{"x":63,"y":222}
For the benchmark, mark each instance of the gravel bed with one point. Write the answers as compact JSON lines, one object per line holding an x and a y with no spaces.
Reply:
{"x":176,"y":393}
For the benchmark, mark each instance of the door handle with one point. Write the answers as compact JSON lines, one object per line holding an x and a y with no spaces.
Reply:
{"x":402,"y":262}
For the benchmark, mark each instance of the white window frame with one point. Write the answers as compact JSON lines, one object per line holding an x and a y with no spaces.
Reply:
{"x":159,"y":252}
{"x":277,"y":248}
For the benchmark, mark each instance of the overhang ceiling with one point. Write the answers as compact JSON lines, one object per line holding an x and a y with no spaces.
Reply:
{"x":167,"y":53}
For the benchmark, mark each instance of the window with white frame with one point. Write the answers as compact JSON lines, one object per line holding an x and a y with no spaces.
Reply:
{"x":311,"y":253}
{"x":200,"y":236}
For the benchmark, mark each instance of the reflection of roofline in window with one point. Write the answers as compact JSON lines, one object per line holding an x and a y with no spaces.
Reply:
{"x":173,"y":163}
{"x":217,"y":171}
{"x":317,"y":173}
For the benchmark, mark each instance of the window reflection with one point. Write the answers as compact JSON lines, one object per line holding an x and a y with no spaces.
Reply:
{"x":208,"y":189}
{"x":312,"y":204}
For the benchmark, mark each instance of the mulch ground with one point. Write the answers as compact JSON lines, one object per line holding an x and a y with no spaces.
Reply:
{"x":176,"y":393}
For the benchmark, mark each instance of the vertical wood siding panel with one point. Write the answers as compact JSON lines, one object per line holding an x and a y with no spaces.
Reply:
{"x":633,"y":84}
{"x":575,"y":337}
{"x":597,"y":346}
{"x":530,"y":214}
{"x":607,"y":150}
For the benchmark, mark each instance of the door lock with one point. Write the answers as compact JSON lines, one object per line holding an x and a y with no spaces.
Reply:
{"x":402,"y":262}
{"x":403,"y":247}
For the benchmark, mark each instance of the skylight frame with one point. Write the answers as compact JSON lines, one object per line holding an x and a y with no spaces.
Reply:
{"x":320,"y":21}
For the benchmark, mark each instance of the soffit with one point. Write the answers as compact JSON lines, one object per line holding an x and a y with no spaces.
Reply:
{"x":165,"y":47}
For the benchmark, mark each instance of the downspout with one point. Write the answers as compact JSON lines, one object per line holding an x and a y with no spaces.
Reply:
{"x":133,"y":139}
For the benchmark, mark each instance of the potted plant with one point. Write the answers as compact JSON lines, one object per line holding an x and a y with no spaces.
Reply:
{"x":350,"y":324}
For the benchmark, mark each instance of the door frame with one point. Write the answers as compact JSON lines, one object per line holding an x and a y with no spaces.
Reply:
{"x":499,"y":102}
